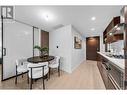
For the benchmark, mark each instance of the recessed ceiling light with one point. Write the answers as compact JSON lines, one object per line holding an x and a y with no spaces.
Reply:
{"x":47,"y":16}
{"x":118,"y":28}
{"x":115,"y":26}
{"x":93,"y":18}
{"x":92,"y":29}
{"x":110,"y":34}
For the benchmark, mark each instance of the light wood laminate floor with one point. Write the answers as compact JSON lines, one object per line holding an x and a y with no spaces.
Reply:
{"x":86,"y":76}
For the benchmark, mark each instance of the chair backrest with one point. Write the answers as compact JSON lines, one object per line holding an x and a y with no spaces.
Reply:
{"x":37,"y":67}
{"x":20,"y":61}
{"x":57,"y":59}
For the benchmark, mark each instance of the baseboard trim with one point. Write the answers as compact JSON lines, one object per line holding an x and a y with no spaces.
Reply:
{"x":13,"y":76}
{"x":77,"y":65}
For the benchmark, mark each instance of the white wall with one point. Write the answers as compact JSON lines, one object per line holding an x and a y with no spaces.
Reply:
{"x":78,"y":55}
{"x":64,"y":39}
{"x":61,"y":38}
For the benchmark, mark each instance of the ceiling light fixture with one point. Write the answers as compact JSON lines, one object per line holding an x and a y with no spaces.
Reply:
{"x":92,"y":29}
{"x":118,"y":28}
{"x":47,"y":16}
{"x":110,"y":34}
{"x":93,"y":18}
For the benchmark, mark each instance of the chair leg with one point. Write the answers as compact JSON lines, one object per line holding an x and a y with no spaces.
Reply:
{"x":16,"y":77}
{"x":22,"y":75}
{"x":27,"y":78}
{"x":35,"y":80}
{"x":58,"y":71}
{"x":43,"y":78}
{"x":47,"y":77}
{"x":16,"y":80}
{"x":49,"y":72}
{"x":43,"y":83}
{"x":31,"y":82}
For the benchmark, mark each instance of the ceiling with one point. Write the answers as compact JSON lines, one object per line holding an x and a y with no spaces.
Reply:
{"x":78,"y":16}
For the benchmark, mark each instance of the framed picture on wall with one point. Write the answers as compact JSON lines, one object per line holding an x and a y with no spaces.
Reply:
{"x":77,"y":43}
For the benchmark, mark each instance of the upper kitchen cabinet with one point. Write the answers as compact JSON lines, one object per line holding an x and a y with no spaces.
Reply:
{"x":113,"y":32}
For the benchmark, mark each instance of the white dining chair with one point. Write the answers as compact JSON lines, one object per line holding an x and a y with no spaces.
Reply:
{"x":55,"y":64}
{"x":21,"y":68}
{"x":36,"y":71}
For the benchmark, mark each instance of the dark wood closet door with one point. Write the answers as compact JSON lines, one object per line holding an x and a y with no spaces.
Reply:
{"x":44,"y":38}
{"x":92,"y":46}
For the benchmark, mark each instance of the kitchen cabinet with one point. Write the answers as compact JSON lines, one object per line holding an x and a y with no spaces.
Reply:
{"x":111,"y":75}
{"x":113,"y":31}
{"x":114,"y":37}
{"x":103,"y":70}
{"x":105,"y":75}
{"x":116,"y":76}
{"x":110,"y":84}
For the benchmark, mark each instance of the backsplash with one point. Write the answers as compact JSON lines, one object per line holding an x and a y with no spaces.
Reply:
{"x":117,"y":47}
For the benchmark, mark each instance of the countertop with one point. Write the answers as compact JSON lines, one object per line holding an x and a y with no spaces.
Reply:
{"x":120,"y":63}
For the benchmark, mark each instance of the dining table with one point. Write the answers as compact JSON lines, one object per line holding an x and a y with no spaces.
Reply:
{"x":38,"y":59}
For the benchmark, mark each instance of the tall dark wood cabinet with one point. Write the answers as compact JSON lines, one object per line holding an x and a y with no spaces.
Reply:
{"x":44,"y":38}
{"x":110,"y":35}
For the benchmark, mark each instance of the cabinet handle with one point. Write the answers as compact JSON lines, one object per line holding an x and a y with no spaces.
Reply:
{"x":4,"y":51}
{"x":109,"y":68}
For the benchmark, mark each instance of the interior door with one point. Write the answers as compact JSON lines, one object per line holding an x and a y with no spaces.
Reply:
{"x":92,"y":46}
{"x":17,"y":43}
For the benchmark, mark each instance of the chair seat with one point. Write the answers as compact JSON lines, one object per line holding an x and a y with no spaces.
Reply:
{"x":38,"y":73}
{"x":53,"y":65}
{"x":22,"y":69}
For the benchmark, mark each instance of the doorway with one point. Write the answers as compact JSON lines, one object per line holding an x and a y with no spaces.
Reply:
{"x":1,"y":48}
{"x":92,"y":47}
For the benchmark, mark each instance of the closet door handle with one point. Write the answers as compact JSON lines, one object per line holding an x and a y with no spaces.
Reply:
{"x":4,"y":51}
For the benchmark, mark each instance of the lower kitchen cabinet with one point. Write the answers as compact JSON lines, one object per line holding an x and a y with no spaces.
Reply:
{"x":111,"y":75}
{"x":116,"y":75}
{"x":105,"y":76}
{"x":110,"y":84}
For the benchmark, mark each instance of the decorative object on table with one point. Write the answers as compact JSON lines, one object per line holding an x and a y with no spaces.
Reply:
{"x":77,"y":43}
{"x":43,"y":51}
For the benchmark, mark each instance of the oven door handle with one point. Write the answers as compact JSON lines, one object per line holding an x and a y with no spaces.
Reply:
{"x":106,"y":68}
{"x":109,"y":69}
